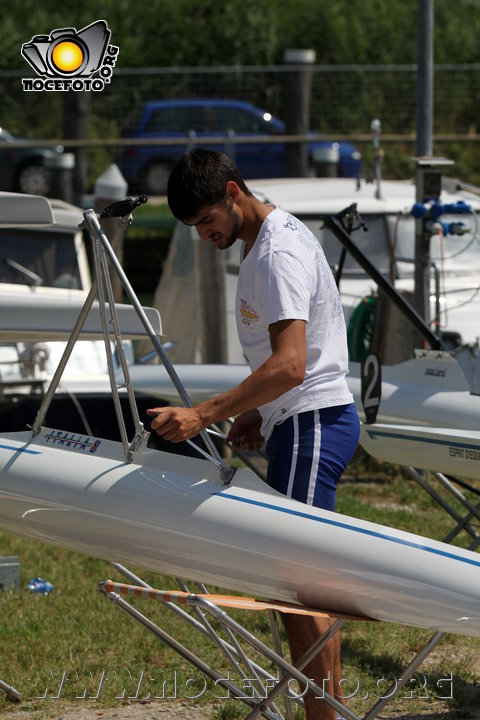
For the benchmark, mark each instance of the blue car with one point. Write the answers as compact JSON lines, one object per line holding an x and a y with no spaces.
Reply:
{"x":146,"y":167}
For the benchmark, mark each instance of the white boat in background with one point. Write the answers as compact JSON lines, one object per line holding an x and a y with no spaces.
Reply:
{"x":427,"y":418}
{"x":430,"y":389}
{"x":44,"y":281}
{"x":201,"y":381}
{"x":43,"y":260}
{"x":444,"y":450}
{"x":46,"y":318}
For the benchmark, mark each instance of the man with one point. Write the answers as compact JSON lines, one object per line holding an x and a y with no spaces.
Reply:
{"x":291,"y":326}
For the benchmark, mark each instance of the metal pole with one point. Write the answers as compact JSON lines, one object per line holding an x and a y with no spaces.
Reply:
{"x":424,"y":148}
{"x":77,"y":328}
{"x":10,"y":691}
{"x":93,"y":224}
{"x":180,"y":649}
{"x":406,"y":675}
{"x":424,"y":78}
{"x":200,"y":626}
{"x":297,"y":99}
{"x":333,"y":223}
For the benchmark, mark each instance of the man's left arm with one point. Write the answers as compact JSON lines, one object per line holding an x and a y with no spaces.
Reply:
{"x":283,"y":370}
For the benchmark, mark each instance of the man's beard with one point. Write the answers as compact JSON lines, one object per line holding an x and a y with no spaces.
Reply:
{"x":230,"y":239}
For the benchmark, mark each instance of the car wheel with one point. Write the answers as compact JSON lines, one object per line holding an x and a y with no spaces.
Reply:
{"x":157,"y":178}
{"x":35,"y":180}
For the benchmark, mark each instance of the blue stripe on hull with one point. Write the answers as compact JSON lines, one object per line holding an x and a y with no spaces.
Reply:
{"x":20,"y":449}
{"x":374,"y":434}
{"x":353,"y":528}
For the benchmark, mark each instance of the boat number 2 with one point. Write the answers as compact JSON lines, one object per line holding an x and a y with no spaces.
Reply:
{"x":371,"y":386}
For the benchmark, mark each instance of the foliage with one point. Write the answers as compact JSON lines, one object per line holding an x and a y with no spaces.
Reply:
{"x":193,"y":32}
{"x":202,"y":33}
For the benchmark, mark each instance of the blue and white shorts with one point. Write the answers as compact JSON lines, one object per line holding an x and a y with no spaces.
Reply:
{"x":307,"y":453}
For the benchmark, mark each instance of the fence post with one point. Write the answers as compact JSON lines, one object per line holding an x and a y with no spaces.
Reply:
{"x":75,"y":125}
{"x":297,"y":98}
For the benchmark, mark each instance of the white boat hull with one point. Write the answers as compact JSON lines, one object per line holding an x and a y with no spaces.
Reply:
{"x":427,"y":390}
{"x":452,"y":452}
{"x":201,"y":381}
{"x":172,"y":514}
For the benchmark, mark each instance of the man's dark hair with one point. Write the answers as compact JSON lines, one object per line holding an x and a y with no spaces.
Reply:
{"x":199,"y":179}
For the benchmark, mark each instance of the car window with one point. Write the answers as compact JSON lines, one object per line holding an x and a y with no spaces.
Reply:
{"x":181,"y":120}
{"x":240,"y":121}
{"x":207,"y":119}
{"x":51,"y":256}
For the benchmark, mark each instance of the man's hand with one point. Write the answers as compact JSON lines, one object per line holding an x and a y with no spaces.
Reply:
{"x":245,"y":431}
{"x":176,"y":423}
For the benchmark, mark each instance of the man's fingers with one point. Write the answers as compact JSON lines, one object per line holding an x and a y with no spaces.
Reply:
{"x":161,"y":418}
{"x":245,"y":442}
{"x":175,"y":424}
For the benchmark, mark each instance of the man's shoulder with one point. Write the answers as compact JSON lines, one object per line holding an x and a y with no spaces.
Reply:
{"x":286,"y":233}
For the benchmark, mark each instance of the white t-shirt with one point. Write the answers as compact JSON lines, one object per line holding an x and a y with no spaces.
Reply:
{"x":286,"y":276}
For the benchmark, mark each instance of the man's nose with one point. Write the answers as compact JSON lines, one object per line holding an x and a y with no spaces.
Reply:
{"x":203,"y":233}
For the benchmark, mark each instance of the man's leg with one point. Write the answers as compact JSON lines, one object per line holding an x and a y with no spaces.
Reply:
{"x":307,"y":454}
{"x":325,"y":668}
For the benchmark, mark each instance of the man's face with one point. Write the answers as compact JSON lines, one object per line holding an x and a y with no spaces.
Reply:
{"x":219,"y":224}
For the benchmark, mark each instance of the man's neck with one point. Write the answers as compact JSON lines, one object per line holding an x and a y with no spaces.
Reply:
{"x":254,"y":214}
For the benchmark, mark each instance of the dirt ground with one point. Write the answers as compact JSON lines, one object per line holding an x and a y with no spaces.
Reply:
{"x":177,"y":711}
{"x":129,"y":711}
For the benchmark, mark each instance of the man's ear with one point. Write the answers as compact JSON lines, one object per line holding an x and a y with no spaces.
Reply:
{"x":232,"y":190}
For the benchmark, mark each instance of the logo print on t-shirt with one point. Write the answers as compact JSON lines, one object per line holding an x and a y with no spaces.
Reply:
{"x":247,"y":314}
{"x":291,"y":224}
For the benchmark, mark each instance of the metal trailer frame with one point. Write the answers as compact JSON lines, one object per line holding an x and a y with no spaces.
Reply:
{"x":265,"y":688}
{"x":10,"y":692}
{"x":452,"y":486}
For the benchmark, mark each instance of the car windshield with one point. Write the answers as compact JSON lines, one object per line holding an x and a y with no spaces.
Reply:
{"x":50,"y":256}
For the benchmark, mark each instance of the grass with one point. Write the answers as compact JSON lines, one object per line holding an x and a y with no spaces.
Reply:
{"x":75,"y":644}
